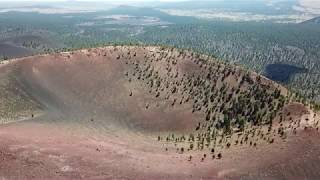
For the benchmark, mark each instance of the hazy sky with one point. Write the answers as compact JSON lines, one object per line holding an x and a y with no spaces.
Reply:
{"x":107,"y":1}
{"x":152,"y":0}
{"x":95,"y":0}
{"x":308,"y":6}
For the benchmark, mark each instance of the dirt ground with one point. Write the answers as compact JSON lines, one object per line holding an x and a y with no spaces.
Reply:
{"x":30,"y":150}
{"x":75,"y":115}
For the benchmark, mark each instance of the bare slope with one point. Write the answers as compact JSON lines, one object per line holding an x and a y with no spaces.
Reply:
{"x":148,"y":112}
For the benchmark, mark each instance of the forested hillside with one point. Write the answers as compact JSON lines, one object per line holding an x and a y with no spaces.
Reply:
{"x":287,"y":53}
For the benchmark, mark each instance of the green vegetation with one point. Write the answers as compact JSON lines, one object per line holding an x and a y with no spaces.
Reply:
{"x":15,"y":104}
{"x":237,"y":107}
{"x":253,"y":45}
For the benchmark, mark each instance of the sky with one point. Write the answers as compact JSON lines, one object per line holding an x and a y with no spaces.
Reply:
{"x":130,"y":0}
{"x":93,"y":0}
{"x":106,"y":1}
{"x":306,"y":3}
{"x":302,"y":6}
{"x":310,"y":6}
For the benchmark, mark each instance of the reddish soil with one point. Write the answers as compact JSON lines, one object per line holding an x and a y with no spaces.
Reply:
{"x":90,"y":122}
{"x":32,"y":150}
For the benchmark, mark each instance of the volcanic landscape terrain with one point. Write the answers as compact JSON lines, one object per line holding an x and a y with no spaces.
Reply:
{"x":149,"y":112}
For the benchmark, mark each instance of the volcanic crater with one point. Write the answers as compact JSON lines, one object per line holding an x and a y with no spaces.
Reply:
{"x":150,"y":112}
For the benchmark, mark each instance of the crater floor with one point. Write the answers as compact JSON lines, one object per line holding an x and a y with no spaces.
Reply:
{"x":92,"y":114}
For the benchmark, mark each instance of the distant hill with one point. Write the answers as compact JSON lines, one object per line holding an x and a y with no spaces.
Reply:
{"x":315,"y":20}
{"x":141,"y":12}
{"x":25,"y":45}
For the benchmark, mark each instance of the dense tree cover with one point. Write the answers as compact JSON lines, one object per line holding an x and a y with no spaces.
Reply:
{"x":253,"y":45}
{"x":249,"y":44}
